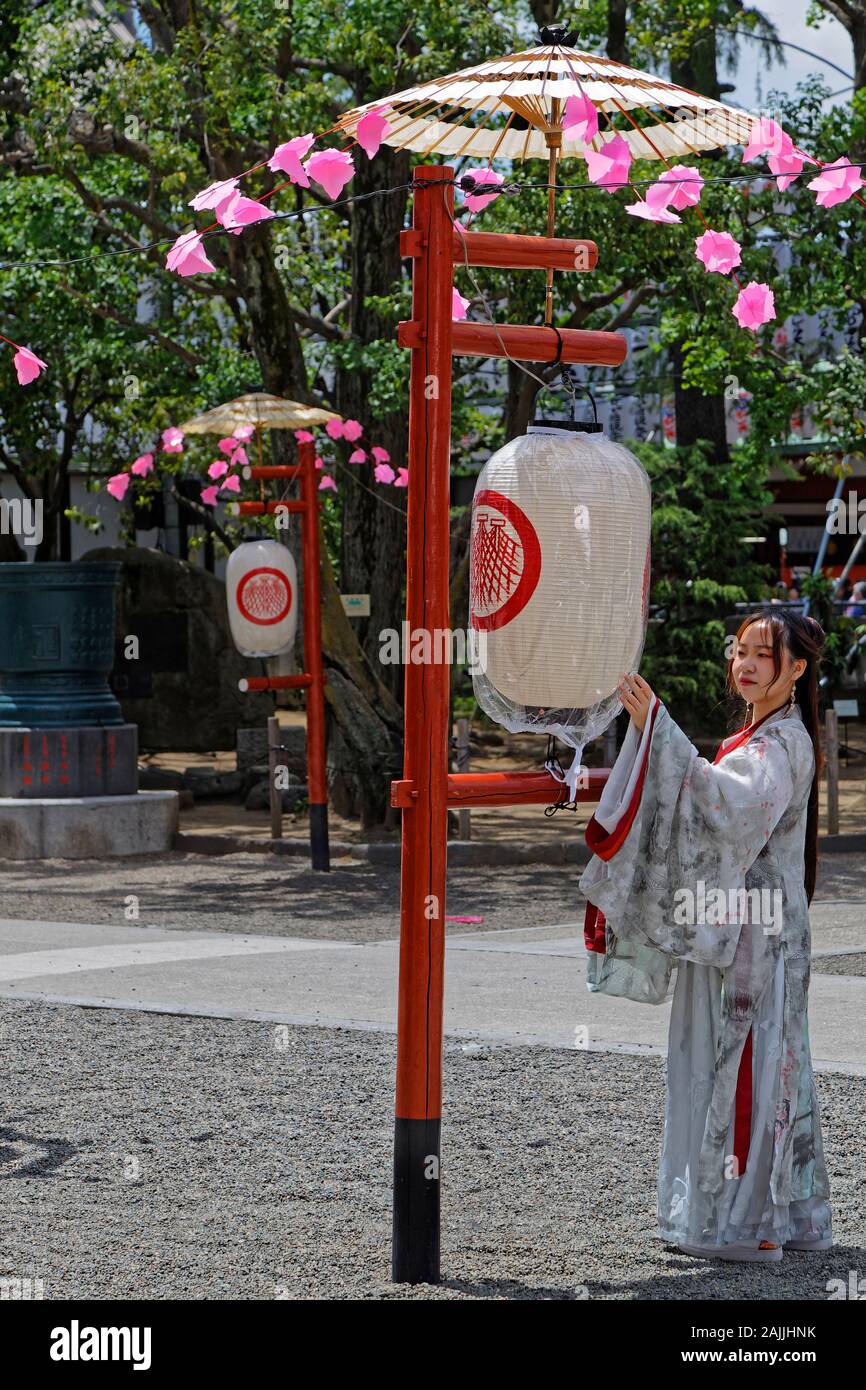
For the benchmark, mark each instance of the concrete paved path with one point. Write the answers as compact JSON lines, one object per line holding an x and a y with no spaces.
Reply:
{"x":521,"y":985}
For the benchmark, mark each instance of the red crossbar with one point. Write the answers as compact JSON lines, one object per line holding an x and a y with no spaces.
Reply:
{"x":526,"y":342}
{"x":504,"y":789}
{"x":249,"y":683}
{"x":272,"y":470}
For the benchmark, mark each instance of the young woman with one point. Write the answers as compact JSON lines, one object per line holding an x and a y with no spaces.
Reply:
{"x":710,"y":867}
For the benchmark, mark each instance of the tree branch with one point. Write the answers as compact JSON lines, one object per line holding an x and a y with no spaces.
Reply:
{"x":106,"y":311}
{"x":204,"y":514}
{"x":321,"y":327}
{"x":293,"y":63}
{"x":846,"y":13}
{"x":623,"y":315}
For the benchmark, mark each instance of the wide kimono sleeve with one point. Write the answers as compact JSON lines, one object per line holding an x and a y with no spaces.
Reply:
{"x":671,"y":829}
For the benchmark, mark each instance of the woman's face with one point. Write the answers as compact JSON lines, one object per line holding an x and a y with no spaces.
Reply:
{"x":752,"y":667}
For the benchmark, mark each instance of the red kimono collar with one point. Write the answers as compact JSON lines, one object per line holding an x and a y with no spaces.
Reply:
{"x":743,"y":735}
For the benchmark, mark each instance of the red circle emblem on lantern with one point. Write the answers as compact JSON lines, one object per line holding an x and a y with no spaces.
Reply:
{"x":506,"y":559}
{"x":264,"y":596}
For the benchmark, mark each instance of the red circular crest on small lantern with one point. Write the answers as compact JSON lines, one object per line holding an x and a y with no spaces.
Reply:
{"x":506,"y":560}
{"x":264,"y":596}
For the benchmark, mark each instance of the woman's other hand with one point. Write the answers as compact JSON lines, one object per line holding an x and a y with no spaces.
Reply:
{"x":637,"y":697}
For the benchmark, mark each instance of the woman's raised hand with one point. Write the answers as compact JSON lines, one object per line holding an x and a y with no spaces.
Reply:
{"x":637,"y":697}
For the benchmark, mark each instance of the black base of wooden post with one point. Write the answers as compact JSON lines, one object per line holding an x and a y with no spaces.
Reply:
{"x":320,"y":854}
{"x":415,"y":1242}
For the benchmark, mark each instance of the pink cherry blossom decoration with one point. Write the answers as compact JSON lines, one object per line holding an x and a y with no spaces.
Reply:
{"x":319,"y":461}
{"x":238,"y":212}
{"x":27,"y":366}
{"x":286,"y":159}
{"x":609,"y":166}
{"x":172,"y":440}
{"x":687,"y":184}
{"x":459,"y":305}
{"x":371,"y":129}
{"x":580,"y":119}
{"x":187,"y":256}
{"x":380,"y":455}
{"x":357,"y":456}
{"x":218,"y":469}
{"x":334,"y":429}
{"x":655,"y":205}
{"x":143,"y":465}
{"x":213,"y":194}
{"x":787,"y":166}
{"x":209,"y":495}
{"x":327,"y":481}
{"x":402,"y":479}
{"x":331,"y":169}
{"x":767,"y":137}
{"x":718,"y":251}
{"x":352,"y":430}
{"x":245,"y":432}
{"x":384,"y":473}
{"x":239,"y":457}
{"x":303,"y":436}
{"x":477,"y":201}
{"x":836,"y":183}
{"x":232,"y":483}
{"x":228,"y":444}
{"x":755,"y":305}
{"x":117,"y":485}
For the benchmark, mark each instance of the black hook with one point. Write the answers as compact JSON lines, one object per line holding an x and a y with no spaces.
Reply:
{"x":572,"y":386}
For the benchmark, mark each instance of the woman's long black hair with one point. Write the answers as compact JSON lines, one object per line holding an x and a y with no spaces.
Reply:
{"x":804,"y":639}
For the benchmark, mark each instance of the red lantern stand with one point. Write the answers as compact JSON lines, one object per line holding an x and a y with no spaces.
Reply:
{"x":312,"y":681}
{"x":427,"y":789}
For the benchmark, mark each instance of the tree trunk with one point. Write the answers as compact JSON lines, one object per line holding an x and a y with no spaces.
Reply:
{"x":520,"y":399}
{"x":698,"y":416}
{"x":275,"y":339}
{"x":373,"y":547}
{"x":365,"y":752}
{"x":365,"y":727}
{"x":544,"y":11}
{"x":617,"y":47}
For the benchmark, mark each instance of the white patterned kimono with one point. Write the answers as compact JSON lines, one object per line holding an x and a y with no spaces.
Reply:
{"x":680,"y":844}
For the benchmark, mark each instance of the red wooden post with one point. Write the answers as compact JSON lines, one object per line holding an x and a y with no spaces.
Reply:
{"x":415,"y":1249}
{"x":426,"y":789}
{"x":313,"y":678}
{"x":316,"y":780}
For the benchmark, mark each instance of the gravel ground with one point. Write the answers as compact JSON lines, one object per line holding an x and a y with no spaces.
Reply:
{"x":159,"y":1157}
{"x":853,"y":964}
{"x":272,"y":895}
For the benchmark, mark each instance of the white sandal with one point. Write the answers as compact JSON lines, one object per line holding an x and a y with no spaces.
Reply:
{"x":764,"y":1254}
{"x":809,"y":1243}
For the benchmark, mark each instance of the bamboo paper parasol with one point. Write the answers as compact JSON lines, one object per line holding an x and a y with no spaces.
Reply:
{"x":511,"y":108}
{"x":260,"y":410}
{"x":263,"y":412}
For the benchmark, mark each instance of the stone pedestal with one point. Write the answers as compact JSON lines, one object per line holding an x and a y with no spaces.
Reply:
{"x":70,"y":762}
{"x":91,"y":827}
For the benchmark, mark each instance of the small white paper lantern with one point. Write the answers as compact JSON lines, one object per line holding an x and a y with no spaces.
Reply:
{"x":559,"y":577}
{"x":262,"y":598}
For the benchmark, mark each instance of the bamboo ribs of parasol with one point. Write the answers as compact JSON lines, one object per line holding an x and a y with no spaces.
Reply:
{"x":512,"y":107}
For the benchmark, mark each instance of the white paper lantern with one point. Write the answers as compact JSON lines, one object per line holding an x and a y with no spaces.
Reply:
{"x":262,"y":597}
{"x":559,"y":577}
